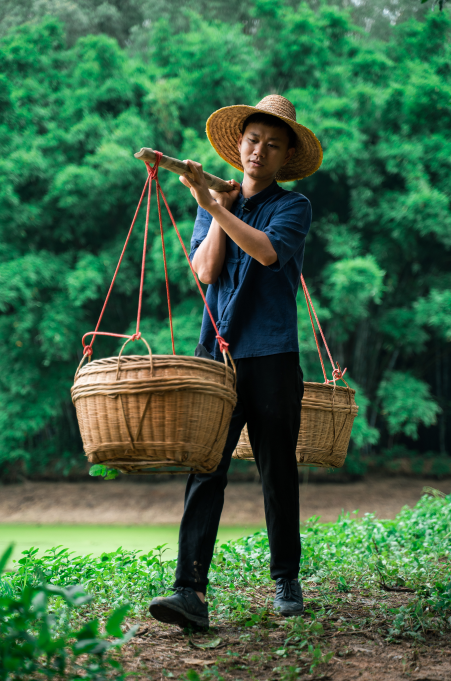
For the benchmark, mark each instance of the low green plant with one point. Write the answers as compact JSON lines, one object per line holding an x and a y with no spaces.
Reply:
{"x":98,"y":469}
{"x":32,"y":640}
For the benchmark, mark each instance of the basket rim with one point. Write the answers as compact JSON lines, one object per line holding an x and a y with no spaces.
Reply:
{"x":110,"y":363}
{"x":330,"y":386}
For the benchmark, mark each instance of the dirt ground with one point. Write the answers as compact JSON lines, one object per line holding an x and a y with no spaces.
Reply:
{"x":129,"y":503}
{"x":162,"y":651}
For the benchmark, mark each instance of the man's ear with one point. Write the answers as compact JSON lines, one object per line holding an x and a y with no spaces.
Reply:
{"x":289,"y":155}
{"x":238,"y":144}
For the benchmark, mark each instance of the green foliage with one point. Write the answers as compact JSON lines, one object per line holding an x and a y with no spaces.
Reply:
{"x":74,"y":106}
{"x":362,"y":432}
{"x":33,"y":642}
{"x":407,"y":403}
{"x":398,"y":459}
{"x":104,"y":471}
{"x":435,"y":310}
{"x":85,"y":16}
{"x":352,"y":284}
{"x":130,"y":21}
{"x":355,"y":464}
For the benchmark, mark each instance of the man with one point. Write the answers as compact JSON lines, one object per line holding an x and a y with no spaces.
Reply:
{"x":248,"y":245}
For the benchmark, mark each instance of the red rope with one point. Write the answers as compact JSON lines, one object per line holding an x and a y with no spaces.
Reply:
{"x":166,"y":276}
{"x":143,"y":261}
{"x":337,"y":373}
{"x":223,"y":345}
{"x":316,"y":337}
{"x":152,"y":175}
{"x":88,"y":348}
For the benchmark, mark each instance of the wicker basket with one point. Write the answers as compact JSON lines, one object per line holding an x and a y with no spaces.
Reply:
{"x":141,"y":413}
{"x":327,"y":416}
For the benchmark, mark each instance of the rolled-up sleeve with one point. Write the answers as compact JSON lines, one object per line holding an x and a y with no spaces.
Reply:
{"x":200,"y":231}
{"x":288,"y":228}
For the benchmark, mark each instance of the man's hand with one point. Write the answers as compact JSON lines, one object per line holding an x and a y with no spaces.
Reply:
{"x":227,"y":199}
{"x":209,"y":258}
{"x":200,"y":191}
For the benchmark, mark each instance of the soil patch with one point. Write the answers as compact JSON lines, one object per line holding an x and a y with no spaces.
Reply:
{"x":128,"y":503}
{"x":261,"y":652}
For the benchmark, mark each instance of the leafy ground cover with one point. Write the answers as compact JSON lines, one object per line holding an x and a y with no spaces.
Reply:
{"x":378,"y":605}
{"x":99,"y":539}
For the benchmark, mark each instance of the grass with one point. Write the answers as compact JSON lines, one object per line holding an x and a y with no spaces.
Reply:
{"x":378,"y":584}
{"x":98,"y":539}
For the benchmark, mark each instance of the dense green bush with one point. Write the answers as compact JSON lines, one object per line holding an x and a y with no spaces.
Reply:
{"x":73,"y":111}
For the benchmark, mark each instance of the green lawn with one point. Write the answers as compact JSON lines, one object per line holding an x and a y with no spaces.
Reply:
{"x":95,"y":539}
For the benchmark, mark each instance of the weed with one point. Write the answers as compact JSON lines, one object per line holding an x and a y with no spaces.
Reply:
{"x":30,"y":642}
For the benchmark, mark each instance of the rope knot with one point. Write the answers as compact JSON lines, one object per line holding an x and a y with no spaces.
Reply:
{"x":153,"y":171}
{"x":223,"y":345}
{"x":136,"y":336}
{"x":87,"y":351}
{"x":338,"y":373}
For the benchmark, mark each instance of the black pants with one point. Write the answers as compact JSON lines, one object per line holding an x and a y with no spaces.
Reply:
{"x":270,"y":391}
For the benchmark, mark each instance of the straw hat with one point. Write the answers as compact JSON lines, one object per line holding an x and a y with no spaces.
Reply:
{"x":224,"y":128}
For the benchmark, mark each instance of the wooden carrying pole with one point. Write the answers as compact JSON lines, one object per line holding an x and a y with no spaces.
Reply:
{"x":180,"y":168}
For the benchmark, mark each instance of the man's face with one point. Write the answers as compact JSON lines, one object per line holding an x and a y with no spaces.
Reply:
{"x":264,"y":150}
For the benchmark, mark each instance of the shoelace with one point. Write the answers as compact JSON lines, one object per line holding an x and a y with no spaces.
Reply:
{"x":286,"y":590}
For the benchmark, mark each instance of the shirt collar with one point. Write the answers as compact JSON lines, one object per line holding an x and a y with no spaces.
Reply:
{"x":260,"y":196}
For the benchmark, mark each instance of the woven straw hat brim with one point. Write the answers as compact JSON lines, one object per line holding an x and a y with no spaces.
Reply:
{"x":224,"y":129}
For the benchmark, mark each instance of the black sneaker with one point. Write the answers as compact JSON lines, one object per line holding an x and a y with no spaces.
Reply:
{"x":288,"y":600}
{"x":183,"y":608}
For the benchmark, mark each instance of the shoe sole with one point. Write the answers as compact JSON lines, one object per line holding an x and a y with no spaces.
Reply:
{"x":289,"y":613}
{"x":170,"y":614}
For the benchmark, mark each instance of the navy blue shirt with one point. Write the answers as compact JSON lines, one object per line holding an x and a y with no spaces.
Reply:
{"x":255,"y":306}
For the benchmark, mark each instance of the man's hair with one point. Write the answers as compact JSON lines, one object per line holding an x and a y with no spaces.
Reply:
{"x":273,"y":122}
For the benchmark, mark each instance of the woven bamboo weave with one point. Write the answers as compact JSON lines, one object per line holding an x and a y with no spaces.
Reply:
{"x":327,"y":416}
{"x":155,"y":411}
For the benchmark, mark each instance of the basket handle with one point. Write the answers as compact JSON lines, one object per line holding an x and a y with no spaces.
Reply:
{"x":226,"y":354}
{"x":81,"y":364}
{"x":122,"y":349}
